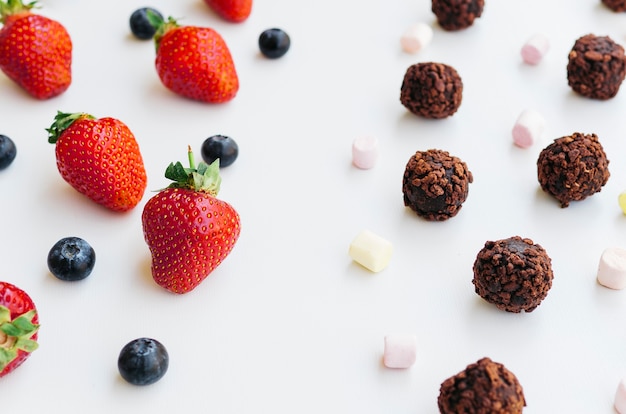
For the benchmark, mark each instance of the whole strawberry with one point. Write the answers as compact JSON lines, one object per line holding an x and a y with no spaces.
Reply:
{"x":235,"y":11}
{"x":19,"y":324}
{"x":100,"y":158}
{"x":189,"y":232}
{"x":35,"y":51}
{"x":194,"y":62}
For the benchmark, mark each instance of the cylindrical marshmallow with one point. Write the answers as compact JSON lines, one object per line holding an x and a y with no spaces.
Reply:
{"x":400,"y":351}
{"x":621,"y":199}
{"x":620,"y":397}
{"x":371,"y":251}
{"x":416,"y":37}
{"x":612,"y":268}
{"x":365,"y":152}
{"x":528,"y":128}
{"x":535,"y":49}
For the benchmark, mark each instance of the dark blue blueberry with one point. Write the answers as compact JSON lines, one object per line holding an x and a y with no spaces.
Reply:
{"x":71,"y":258}
{"x":7,"y":151}
{"x":143,"y":361}
{"x":222,"y":147}
{"x":274,"y":43}
{"x":141,"y":25}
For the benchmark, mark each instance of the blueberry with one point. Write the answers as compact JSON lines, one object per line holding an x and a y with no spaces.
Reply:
{"x":7,"y":151}
{"x":143,"y":361}
{"x":274,"y":43}
{"x":222,"y":147}
{"x":141,"y":25}
{"x":71,"y":258}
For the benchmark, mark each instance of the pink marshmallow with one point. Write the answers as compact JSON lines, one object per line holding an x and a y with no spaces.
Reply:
{"x":620,"y":397}
{"x":612,"y":268}
{"x":535,"y":48}
{"x":416,"y":38}
{"x":400,"y":351}
{"x":528,"y":128}
{"x":365,"y":152}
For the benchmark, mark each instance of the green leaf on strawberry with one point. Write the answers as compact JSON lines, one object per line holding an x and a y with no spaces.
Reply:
{"x":203,"y":177}
{"x":15,"y":335}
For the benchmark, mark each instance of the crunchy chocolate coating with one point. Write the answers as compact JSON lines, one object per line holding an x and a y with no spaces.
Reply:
{"x":615,"y":5}
{"x":432,"y":90}
{"x":484,"y":387}
{"x":573,"y":167}
{"x":435,"y":184}
{"x":596,"y":67}
{"x":514,"y":274}
{"x":457,"y":14}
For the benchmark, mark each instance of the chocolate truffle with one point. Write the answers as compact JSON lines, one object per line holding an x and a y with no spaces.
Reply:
{"x":457,"y":14}
{"x":514,"y":274}
{"x":431,"y":90}
{"x":615,"y":5}
{"x":573,"y":167}
{"x":435,"y":184}
{"x":484,"y":387}
{"x":596,"y":67}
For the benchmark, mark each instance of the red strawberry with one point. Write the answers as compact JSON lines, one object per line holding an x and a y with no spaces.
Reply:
{"x":35,"y":51}
{"x":100,"y":158}
{"x":194,"y":62}
{"x":232,"y":10}
{"x":18,"y":327}
{"x":189,"y":232}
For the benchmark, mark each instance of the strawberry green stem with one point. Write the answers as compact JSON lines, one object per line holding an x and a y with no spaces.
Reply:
{"x":15,"y":335}
{"x":62,"y":121}
{"x":162,"y":26}
{"x":12,"y":7}
{"x":204,"y":177}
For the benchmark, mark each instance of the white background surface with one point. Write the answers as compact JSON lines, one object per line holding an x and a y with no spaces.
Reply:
{"x":288,"y":323}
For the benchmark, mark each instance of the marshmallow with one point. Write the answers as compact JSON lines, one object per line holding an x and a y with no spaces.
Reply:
{"x":528,"y":128}
{"x":622,"y":201}
{"x":620,"y":397}
{"x":535,"y":48}
{"x":365,"y":152}
{"x":416,"y":37}
{"x":612,"y":268}
{"x":371,"y":251}
{"x":400,"y":351}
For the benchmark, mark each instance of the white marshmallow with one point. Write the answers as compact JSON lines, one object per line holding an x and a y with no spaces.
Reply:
{"x":365,"y":152}
{"x":620,"y":397}
{"x":400,"y":351}
{"x":535,"y":49}
{"x":621,"y":199}
{"x":612,"y":268}
{"x":371,"y":251}
{"x":416,"y":37}
{"x":528,"y":128}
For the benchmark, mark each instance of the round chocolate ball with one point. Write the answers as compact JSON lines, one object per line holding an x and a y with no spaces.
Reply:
{"x":596,"y":67}
{"x":573,"y":167}
{"x":484,"y":387}
{"x":457,"y":14}
{"x":435,"y":184}
{"x":615,"y":5}
{"x":431,"y":90}
{"x":514,"y":274}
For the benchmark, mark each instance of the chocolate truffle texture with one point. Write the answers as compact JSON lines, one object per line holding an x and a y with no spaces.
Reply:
{"x":514,"y":274}
{"x":484,"y":387}
{"x":431,"y":90}
{"x":596,"y":67}
{"x":615,"y":5}
{"x":435,"y":184}
{"x":573,"y":167}
{"x":457,"y":14}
